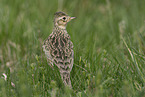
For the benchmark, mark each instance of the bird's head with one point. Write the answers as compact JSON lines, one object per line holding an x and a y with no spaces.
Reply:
{"x":61,"y":19}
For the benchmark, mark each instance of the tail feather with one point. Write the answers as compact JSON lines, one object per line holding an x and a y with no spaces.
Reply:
{"x":66,"y":79}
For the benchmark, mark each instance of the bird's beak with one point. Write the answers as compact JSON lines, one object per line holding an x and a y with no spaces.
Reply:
{"x":72,"y":18}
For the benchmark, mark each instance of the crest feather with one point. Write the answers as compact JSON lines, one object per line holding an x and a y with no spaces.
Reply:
{"x":59,"y":14}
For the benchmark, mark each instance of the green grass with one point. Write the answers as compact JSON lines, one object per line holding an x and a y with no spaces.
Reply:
{"x":109,"y":48}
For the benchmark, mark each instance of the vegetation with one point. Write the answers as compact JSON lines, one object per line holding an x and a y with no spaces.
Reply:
{"x":109,"y":48}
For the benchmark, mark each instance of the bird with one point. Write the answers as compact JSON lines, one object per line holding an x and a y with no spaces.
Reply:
{"x":58,"y":47}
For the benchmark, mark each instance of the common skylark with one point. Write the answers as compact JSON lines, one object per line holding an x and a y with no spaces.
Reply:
{"x":59,"y":48}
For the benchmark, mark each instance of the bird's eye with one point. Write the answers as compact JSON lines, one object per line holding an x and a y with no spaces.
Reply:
{"x":64,"y":18}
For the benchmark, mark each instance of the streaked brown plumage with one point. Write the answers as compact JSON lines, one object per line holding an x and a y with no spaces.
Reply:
{"x":58,"y":47}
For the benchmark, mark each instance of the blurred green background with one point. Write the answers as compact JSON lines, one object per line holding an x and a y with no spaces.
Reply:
{"x":109,"y":48}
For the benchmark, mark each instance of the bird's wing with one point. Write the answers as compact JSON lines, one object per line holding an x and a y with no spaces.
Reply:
{"x":47,"y":49}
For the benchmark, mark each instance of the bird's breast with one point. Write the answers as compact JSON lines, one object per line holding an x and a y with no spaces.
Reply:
{"x":60,"y":45}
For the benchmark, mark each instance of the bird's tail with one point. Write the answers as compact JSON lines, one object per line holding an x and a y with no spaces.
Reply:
{"x":66,"y":79}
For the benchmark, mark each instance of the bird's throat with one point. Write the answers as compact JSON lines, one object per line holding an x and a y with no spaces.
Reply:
{"x":60,"y":30}
{"x":62,"y":27}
